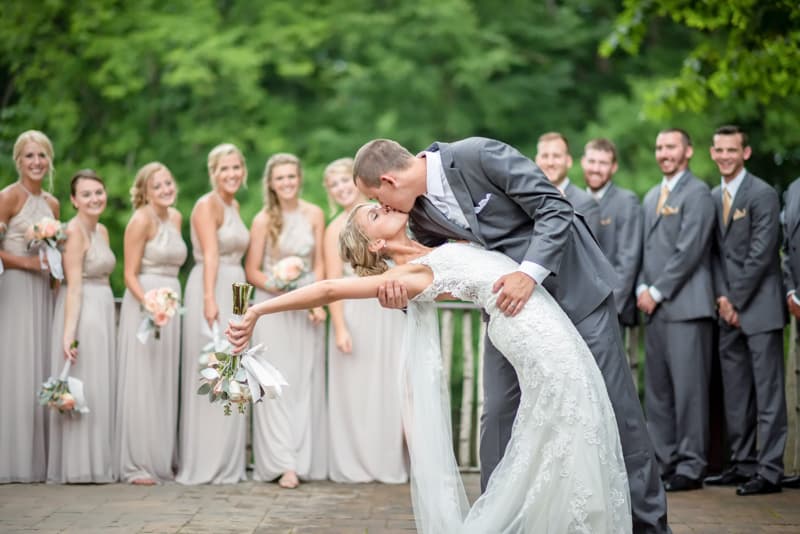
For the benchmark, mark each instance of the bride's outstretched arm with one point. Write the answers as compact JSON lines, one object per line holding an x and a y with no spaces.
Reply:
{"x":415,"y":277}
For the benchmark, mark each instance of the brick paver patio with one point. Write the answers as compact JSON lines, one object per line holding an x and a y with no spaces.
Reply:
{"x":320,"y":507}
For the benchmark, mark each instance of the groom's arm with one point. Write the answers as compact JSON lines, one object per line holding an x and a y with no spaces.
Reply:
{"x":524,"y":183}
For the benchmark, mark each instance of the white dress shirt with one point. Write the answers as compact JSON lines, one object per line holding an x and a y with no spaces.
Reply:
{"x":600,"y":193}
{"x":441,"y":195}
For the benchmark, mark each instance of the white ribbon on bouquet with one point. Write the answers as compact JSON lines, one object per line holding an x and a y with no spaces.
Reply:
{"x":261,"y":374}
{"x":218,"y":343}
{"x":75,"y":386}
{"x":53,"y":261}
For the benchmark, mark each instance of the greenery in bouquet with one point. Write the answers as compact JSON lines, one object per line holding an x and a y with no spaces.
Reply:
{"x":225,"y":380}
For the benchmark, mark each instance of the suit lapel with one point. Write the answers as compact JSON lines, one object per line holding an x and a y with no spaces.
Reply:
{"x":435,"y":221}
{"x":608,"y":198}
{"x":460,"y":191}
{"x":669,"y":200}
{"x":738,"y":201}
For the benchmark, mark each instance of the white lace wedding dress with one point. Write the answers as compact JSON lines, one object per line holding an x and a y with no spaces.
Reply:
{"x":563,"y":469}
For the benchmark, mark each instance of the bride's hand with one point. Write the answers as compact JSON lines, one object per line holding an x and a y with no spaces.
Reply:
{"x":515,"y":290}
{"x":239,"y":333}
{"x":393,"y":294}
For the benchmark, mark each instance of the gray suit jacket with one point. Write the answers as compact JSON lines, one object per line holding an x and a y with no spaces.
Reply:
{"x":676,"y":257}
{"x":747,"y":256}
{"x":511,"y":207}
{"x":584,"y":204}
{"x":620,"y":237}
{"x":791,"y":238}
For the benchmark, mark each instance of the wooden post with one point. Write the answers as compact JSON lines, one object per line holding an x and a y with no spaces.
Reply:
{"x":466,"y":391}
{"x":632,"y":348}
{"x":446,"y":337}
{"x":479,"y":407}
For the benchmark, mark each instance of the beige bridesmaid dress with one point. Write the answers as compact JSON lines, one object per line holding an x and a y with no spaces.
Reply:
{"x":26,"y":320}
{"x":80,"y":447}
{"x":148,"y":379}
{"x":290,"y":433}
{"x":212,"y":445}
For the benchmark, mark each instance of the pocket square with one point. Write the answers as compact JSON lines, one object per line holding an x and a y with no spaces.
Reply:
{"x":669,"y":210}
{"x":738,"y":214}
{"x":605,"y":222}
{"x":482,"y":203}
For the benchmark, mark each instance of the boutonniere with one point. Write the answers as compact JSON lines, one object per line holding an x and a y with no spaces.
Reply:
{"x":605,"y":222}
{"x":738,"y":214}
{"x":669,"y":210}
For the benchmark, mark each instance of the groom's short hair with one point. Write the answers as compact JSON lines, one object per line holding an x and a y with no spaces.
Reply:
{"x":378,"y":157}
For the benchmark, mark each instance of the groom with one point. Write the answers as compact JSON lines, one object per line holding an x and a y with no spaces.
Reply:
{"x":487,"y":192}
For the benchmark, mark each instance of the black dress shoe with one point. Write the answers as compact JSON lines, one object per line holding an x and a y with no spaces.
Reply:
{"x":682,"y":483}
{"x":758,"y":485}
{"x":729,"y":477}
{"x":791,"y":482}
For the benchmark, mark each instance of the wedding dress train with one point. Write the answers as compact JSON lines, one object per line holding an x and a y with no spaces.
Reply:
{"x":563,"y":469}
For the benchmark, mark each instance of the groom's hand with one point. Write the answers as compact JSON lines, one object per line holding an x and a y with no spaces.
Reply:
{"x":515,"y":290}
{"x":393,"y":294}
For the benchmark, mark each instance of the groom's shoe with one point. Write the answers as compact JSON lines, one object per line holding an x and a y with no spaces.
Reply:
{"x":682,"y":483}
{"x":729,"y":477}
{"x":758,"y":485}
{"x":791,"y":482}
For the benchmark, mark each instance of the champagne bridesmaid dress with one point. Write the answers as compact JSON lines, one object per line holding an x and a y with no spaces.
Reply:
{"x":364,"y":396}
{"x":147,"y":408}
{"x":26,"y":321}
{"x":81,"y":446}
{"x":289,"y":433}
{"x":212,"y":444}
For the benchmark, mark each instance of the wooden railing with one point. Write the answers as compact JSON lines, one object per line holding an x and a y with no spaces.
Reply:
{"x":457,"y":327}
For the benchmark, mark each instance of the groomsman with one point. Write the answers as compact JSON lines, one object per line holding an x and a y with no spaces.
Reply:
{"x":675,"y":292}
{"x":791,"y":265}
{"x":553,"y":157}
{"x":747,"y":279}
{"x":621,"y":223}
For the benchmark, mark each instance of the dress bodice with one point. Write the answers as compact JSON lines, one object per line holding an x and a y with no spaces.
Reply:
{"x":466,"y":271}
{"x":99,"y":260}
{"x":165,"y":253}
{"x":232,"y":238}
{"x":296,"y":239}
{"x":34,"y":209}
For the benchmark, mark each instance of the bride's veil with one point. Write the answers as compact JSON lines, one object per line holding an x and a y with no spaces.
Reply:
{"x":437,"y":492}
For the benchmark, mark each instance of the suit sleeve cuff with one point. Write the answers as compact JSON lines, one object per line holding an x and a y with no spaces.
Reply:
{"x":534,"y":270}
{"x":793,"y":294}
{"x":656,"y":294}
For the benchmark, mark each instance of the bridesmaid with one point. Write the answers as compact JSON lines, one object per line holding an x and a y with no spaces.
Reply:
{"x":289,"y":434}
{"x":147,"y":409}
{"x":212,"y":444}
{"x":80,"y":446}
{"x":26,"y":313}
{"x":364,"y":408}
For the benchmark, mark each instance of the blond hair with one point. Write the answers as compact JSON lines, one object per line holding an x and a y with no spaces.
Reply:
{"x":378,"y":157}
{"x":271,"y":204}
{"x":338,"y":166}
{"x":216,"y":154}
{"x":139,"y":189}
{"x":34,"y":136}
{"x":354,"y":247}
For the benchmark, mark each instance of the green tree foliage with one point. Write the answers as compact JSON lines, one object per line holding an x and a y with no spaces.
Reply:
{"x":743,"y":67}
{"x":118,"y":84}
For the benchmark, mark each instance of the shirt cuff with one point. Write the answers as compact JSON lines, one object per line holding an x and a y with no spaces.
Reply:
{"x":640,"y":289}
{"x":656,"y":294}
{"x":791,"y":293}
{"x":534,"y":270}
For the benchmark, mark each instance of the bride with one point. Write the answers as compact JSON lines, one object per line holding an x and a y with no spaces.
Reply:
{"x":563,"y":469}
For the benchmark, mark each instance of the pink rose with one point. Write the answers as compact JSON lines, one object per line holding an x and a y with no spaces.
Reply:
{"x":50,"y":228}
{"x":66,"y":403}
{"x":160,"y":318}
{"x":289,"y":269}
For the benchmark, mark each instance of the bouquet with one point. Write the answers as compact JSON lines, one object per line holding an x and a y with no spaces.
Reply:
{"x":65,"y":393}
{"x":48,"y":237}
{"x":287,"y":272}
{"x":161,"y":305}
{"x":237,"y":378}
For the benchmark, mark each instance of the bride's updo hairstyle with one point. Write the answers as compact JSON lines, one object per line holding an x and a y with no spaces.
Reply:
{"x":354,"y":247}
